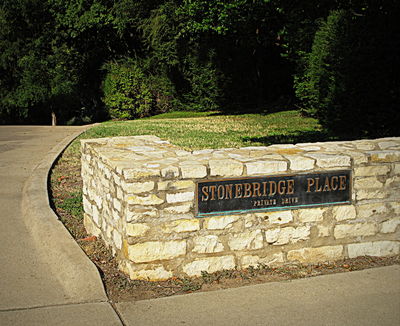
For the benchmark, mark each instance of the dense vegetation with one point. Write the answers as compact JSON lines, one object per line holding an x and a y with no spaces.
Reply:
{"x":88,"y":60}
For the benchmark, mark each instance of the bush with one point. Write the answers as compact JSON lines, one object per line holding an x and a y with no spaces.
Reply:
{"x":351,"y":81}
{"x":132,"y":91}
{"x":126,"y":92}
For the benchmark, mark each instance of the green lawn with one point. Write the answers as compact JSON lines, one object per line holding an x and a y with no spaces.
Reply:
{"x":191,"y":130}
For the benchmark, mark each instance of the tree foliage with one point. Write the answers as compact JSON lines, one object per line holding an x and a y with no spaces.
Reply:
{"x":352,"y":72}
{"x":87,"y":60}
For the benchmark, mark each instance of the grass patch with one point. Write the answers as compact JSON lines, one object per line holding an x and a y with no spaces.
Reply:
{"x":72,"y":204}
{"x":182,"y":114}
{"x":212,"y":130}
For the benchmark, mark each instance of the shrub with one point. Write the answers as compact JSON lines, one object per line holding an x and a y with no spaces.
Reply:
{"x":126,"y":91}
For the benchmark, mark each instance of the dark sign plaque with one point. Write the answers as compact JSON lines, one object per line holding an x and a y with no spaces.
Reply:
{"x":275,"y":192}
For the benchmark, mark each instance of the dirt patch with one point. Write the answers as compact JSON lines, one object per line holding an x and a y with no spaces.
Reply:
{"x":66,"y":198}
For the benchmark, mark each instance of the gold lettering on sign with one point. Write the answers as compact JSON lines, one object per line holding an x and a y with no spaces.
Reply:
{"x":310,"y":183}
{"x":221,"y":192}
{"x":213,"y":188}
{"x":256,"y":189}
{"x":334,"y":183}
{"x":326,"y":185}
{"x":265,"y":188}
{"x":247,"y":190}
{"x":281,"y":187}
{"x":318,"y":188}
{"x":290,"y":186}
{"x":289,"y":200}
{"x":205,"y":196}
{"x":272,"y":185}
{"x":342,"y":179}
{"x":228,"y":191}
{"x":238,"y":190}
{"x":329,"y":184}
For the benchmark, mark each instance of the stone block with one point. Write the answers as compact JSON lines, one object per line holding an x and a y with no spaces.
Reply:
{"x":179,"y":226}
{"x":156,"y":250}
{"x":120,"y":194}
{"x":157,"y":273}
{"x":170,"y":172}
{"x":136,"y":229}
{"x":358,"y":157}
{"x":115,"y":215}
{"x":138,"y":187}
{"x":220,"y":222}
{"x":179,"y":209}
{"x":176,"y":185}
{"x":210,"y":265}
{"x":96,"y":215}
{"x":270,"y":260}
{"x":378,"y":249}
{"x":248,"y":240}
{"x":367,"y":183}
{"x":140,"y":213}
{"x":207,"y":244}
{"x":316,"y":255}
{"x":300,"y":163}
{"x":279,"y":217}
{"x":385,"y":156}
{"x":283,"y":236}
{"x":225,"y":168}
{"x":87,"y":206}
{"x":393,"y":181}
{"x":265,"y":167}
{"x":341,"y":213}
{"x":90,"y":227}
{"x":387,"y":144}
{"x":192,"y":171}
{"x":117,"y":204}
{"x":354,"y":230}
{"x":323,"y":231}
{"x":117,"y":238}
{"x":330,"y":160}
{"x":372,"y":170}
{"x":364,"y":145}
{"x":180,"y":197}
{"x":139,"y":173}
{"x":366,"y":211}
{"x":390,"y":225}
{"x":307,"y":215}
{"x":150,"y":200}
{"x":97,"y":199}
{"x":396,"y":207}
{"x":371,"y":194}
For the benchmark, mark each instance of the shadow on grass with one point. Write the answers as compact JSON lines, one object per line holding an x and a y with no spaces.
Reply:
{"x":299,"y":137}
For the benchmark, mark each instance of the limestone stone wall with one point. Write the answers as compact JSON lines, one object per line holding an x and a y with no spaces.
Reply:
{"x":139,"y":196}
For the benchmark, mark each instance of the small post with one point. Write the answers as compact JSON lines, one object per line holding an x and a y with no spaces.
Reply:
{"x":53,"y":119}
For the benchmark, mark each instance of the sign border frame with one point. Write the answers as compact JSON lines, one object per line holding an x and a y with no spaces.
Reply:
{"x":247,"y":211}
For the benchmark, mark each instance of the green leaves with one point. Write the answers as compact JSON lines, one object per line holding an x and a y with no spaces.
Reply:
{"x":127,"y":92}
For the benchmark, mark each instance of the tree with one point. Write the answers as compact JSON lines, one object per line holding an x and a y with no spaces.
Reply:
{"x":352,"y":72}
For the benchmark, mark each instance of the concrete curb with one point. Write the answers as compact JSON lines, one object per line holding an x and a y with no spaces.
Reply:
{"x":75,"y":272}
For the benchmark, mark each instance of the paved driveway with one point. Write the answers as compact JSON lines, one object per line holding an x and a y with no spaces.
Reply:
{"x":29,"y":283}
